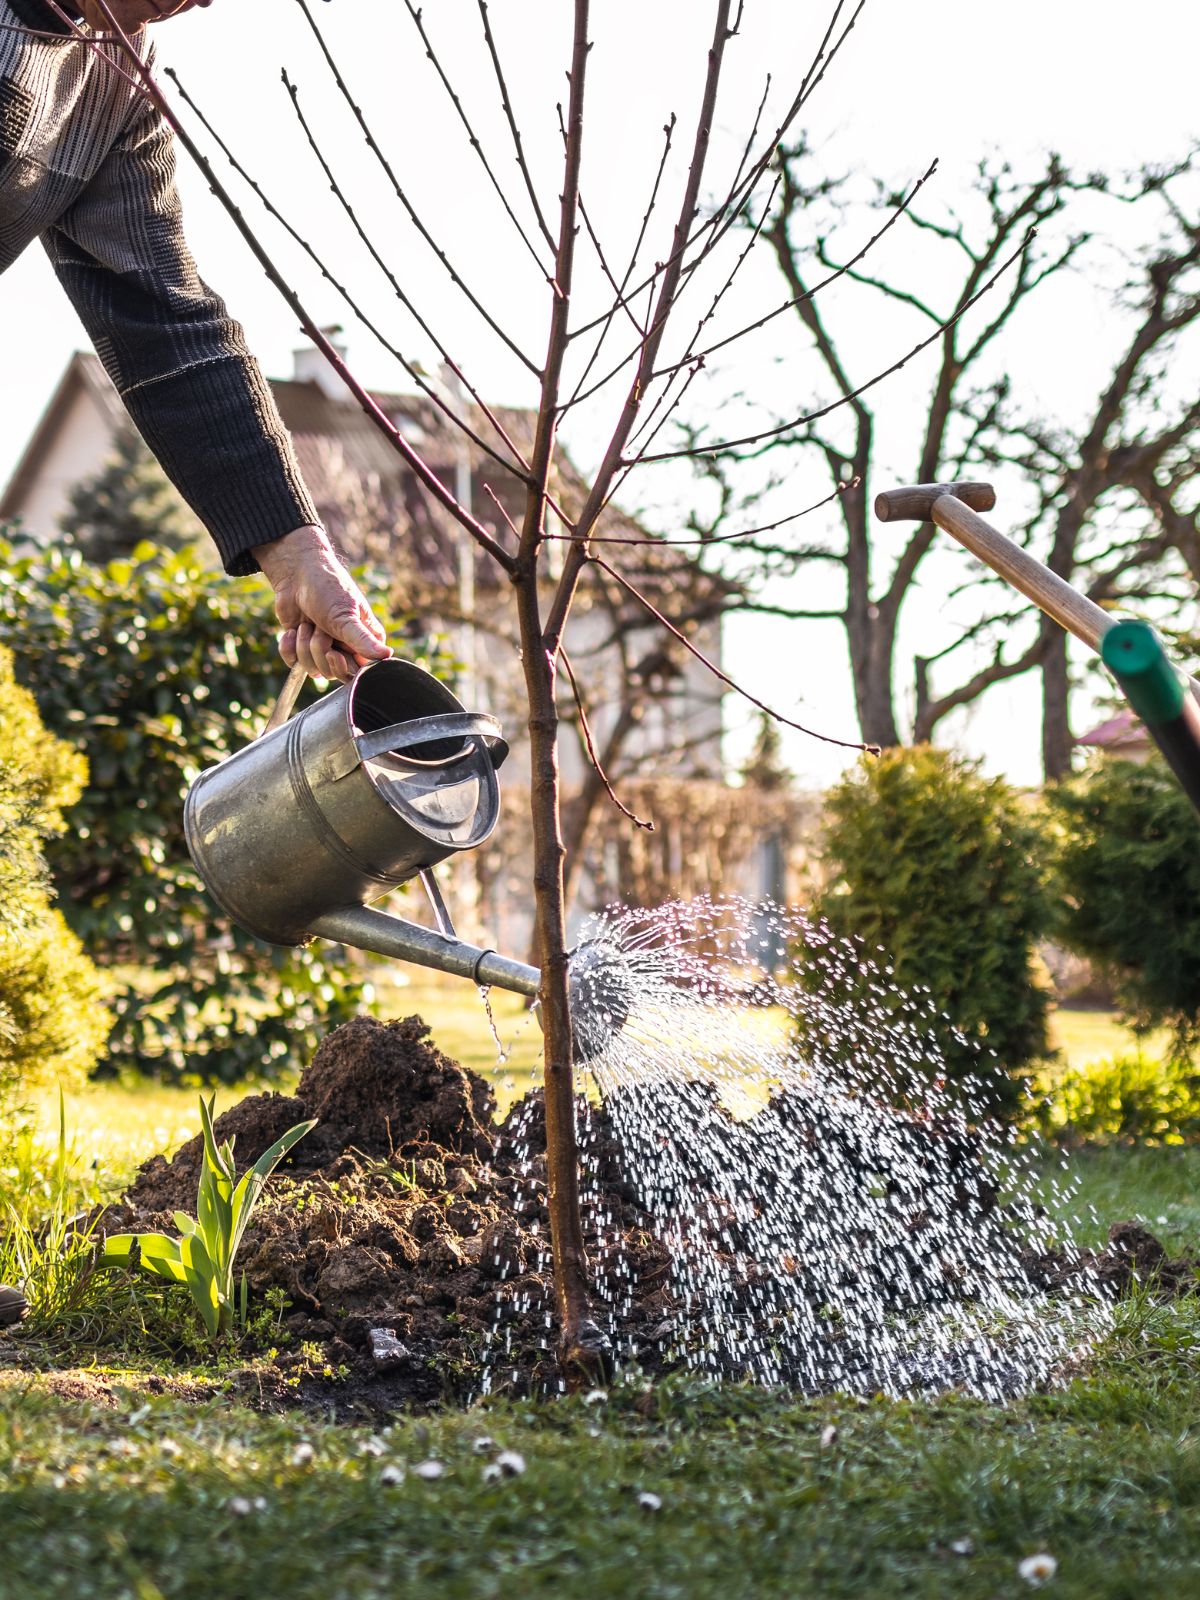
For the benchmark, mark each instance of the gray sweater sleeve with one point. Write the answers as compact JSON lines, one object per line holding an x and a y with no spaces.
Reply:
{"x":178,"y":360}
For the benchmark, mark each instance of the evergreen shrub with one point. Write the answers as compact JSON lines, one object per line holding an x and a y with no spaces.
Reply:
{"x":52,"y":1023}
{"x":1128,"y":881}
{"x":937,"y":871}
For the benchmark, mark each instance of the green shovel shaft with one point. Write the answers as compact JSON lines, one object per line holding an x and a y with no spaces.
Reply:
{"x":1134,"y":654}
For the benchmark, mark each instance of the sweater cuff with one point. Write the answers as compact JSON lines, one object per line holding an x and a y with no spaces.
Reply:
{"x":217,"y":435}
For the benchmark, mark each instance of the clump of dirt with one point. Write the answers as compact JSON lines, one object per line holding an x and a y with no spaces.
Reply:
{"x":408,"y":1231}
{"x":376,"y":1088}
{"x":1132,"y":1256}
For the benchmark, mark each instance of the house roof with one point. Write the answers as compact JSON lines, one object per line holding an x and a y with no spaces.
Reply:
{"x":332,"y":435}
{"x":1122,"y":732}
{"x":346,"y":459}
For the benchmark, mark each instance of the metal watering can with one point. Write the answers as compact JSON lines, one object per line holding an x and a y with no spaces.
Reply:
{"x":327,"y":811}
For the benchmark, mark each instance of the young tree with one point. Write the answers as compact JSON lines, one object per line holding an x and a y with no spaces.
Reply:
{"x":654,"y":310}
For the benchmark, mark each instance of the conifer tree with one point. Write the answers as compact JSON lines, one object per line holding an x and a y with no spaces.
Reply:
{"x":130,"y":500}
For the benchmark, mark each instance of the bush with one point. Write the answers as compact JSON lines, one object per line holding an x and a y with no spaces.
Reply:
{"x":1128,"y":875}
{"x":54,"y":1023}
{"x":51,"y":1021}
{"x":156,"y":668}
{"x":39,"y":777}
{"x":940,"y":868}
{"x":1131,"y":1099}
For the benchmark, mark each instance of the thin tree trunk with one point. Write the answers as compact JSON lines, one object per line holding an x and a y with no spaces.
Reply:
{"x":582,"y":1343}
{"x":1056,"y":719}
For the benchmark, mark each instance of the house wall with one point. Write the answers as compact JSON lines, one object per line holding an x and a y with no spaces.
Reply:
{"x":78,"y":449}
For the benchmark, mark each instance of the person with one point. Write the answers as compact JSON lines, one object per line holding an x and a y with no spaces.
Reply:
{"x":87,"y":165}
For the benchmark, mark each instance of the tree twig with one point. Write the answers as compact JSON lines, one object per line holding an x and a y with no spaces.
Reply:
{"x":590,"y":745}
{"x":705,"y":661}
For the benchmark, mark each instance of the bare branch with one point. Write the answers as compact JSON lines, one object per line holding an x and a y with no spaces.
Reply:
{"x":506,"y":102}
{"x":418,"y":16}
{"x":413,"y":372}
{"x":577,"y":554}
{"x":590,"y":745}
{"x":721,"y":538}
{"x":776,"y":716}
{"x":871,"y":383}
{"x":402,"y":196}
{"x":606,"y":323}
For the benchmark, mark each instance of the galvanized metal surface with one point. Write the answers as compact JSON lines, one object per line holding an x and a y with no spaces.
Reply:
{"x":367,"y":928}
{"x":301,"y":823}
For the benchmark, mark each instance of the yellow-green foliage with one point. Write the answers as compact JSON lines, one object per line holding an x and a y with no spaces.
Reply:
{"x":39,"y":777}
{"x":56,"y":1024}
{"x":1132,"y":1099}
{"x":52,"y":1023}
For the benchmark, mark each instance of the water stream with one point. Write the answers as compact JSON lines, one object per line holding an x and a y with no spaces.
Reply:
{"x":812,"y":1234}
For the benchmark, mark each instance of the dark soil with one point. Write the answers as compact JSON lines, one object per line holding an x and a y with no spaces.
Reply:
{"x":410,"y":1211}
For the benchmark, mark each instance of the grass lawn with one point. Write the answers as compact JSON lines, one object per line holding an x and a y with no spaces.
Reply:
{"x":1083,"y":1037}
{"x":760,"y":1494}
{"x":114,"y":1487}
{"x":1160,"y":1185}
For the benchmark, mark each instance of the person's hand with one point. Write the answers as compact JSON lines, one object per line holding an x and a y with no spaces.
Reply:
{"x":131,"y":14}
{"x":327,"y":621}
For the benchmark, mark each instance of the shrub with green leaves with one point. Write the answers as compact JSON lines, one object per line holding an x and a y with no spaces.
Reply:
{"x":52,"y":1022}
{"x":1130,"y":1099}
{"x":941,"y":869}
{"x":1128,"y":876}
{"x":203,"y":1255}
{"x":40,"y":777}
{"x":156,"y":667}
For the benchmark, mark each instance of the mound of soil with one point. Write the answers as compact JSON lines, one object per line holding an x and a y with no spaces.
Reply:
{"x":1132,"y":1255}
{"x":408,"y":1230}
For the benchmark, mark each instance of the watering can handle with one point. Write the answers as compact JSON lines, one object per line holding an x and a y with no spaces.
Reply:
{"x":288,"y":696}
{"x":399,"y":736}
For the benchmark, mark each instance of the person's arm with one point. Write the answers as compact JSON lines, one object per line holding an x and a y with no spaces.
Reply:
{"x":181,"y":365}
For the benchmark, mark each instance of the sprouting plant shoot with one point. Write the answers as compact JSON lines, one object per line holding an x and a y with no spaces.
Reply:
{"x":203,"y":1256}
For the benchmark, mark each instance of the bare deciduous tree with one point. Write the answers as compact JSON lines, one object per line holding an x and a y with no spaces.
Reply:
{"x":1106,"y":503}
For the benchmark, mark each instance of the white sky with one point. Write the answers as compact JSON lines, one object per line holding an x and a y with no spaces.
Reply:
{"x":1105,"y":85}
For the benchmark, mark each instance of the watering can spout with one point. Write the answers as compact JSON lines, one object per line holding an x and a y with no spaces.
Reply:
{"x":366,"y":928}
{"x":600,"y":992}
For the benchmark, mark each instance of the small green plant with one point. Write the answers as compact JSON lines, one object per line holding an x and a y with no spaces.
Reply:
{"x":204,"y":1254}
{"x":46,"y":1242}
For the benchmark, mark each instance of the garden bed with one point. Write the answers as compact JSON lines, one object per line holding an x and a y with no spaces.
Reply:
{"x":408,"y":1230}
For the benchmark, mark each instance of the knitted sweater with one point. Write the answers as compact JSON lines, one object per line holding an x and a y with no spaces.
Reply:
{"x":88,"y":166}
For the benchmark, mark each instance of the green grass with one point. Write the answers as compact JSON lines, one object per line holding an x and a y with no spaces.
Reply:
{"x":146,"y":1497}
{"x":1082,"y":1037}
{"x":113,"y":1486}
{"x":1160,"y":1185}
